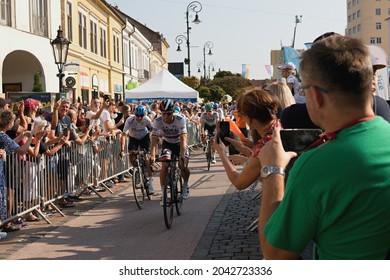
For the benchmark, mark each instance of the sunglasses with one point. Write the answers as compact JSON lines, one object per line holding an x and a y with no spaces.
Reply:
{"x":139,"y":116}
{"x":167,"y":113}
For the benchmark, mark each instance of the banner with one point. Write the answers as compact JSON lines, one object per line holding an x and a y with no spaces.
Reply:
{"x":245,"y":70}
{"x":270,"y":70}
{"x":291,"y":55}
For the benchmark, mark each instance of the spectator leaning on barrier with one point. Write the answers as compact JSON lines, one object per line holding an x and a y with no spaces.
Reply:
{"x":337,"y":194}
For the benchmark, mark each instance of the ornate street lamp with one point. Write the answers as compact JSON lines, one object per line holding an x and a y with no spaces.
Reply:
{"x":60,"y":47}
{"x":207,"y":46}
{"x":212,"y":67}
{"x":195,"y":7}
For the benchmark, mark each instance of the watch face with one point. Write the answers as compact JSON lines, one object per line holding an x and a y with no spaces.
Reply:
{"x":70,"y":82}
{"x":265,"y":171}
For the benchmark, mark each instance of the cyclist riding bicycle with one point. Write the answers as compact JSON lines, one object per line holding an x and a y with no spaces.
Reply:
{"x":137,"y":128}
{"x":208,"y":123}
{"x":172,"y":128}
{"x":219,"y":111}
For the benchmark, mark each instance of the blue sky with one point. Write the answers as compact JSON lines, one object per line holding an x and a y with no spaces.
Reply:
{"x":242,"y":31}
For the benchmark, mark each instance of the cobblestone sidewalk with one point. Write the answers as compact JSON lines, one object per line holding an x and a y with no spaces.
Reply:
{"x":226,"y":237}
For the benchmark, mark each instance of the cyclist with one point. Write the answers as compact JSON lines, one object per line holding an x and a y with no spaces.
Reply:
{"x":137,"y":127}
{"x":208,"y":123}
{"x":219,"y":111}
{"x":172,"y":128}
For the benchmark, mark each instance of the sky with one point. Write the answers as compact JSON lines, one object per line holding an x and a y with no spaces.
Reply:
{"x":242,"y":31}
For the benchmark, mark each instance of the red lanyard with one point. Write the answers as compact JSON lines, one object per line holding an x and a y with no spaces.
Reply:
{"x":328,"y":136}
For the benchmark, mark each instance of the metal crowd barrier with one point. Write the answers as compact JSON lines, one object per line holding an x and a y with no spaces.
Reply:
{"x":36,"y":182}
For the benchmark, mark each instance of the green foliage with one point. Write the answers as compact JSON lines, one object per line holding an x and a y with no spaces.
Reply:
{"x":221,"y":74}
{"x":192,"y":81}
{"x":233,"y":84}
{"x":37,"y":82}
{"x":204,"y":92}
{"x":217,"y":93}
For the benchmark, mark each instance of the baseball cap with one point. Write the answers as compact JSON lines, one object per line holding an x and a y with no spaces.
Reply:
{"x":4,"y":102}
{"x":30,"y":103}
{"x":377,"y":62}
{"x":287,"y":65}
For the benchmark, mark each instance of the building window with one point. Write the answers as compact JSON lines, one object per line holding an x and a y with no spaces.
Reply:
{"x":358,"y":14}
{"x":372,"y":40}
{"x":93,"y":37}
{"x":353,"y":3}
{"x":103,"y":44}
{"x":349,"y":18}
{"x":354,"y":30}
{"x":378,"y":11}
{"x":125,"y":54}
{"x":349,"y":32}
{"x":378,"y":25}
{"x":82,"y":30}
{"x":379,"y":40}
{"x":39,"y":17}
{"x":116,"y":48}
{"x":388,"y":10}
{"x":69,"y":20}
{"x":5,"y":12}
{"x":359,"y":28}
{"x":349,"y":5}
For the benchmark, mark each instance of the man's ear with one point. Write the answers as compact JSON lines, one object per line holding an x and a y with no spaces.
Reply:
{"x":318,"y":97}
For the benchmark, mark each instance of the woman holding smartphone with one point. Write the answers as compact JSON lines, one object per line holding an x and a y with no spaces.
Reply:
{"x":258,"y":108}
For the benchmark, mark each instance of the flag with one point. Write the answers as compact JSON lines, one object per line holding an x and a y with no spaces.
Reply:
{"x":245,"y":70}
{"x":270,"y":70}
{"x":291,"y":55}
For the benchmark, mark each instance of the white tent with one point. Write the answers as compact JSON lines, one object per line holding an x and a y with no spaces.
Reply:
{"x":163,"y":85}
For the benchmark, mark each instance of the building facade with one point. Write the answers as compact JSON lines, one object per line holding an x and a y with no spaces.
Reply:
{"x":27,"y":27}
{"x":368,"y":20}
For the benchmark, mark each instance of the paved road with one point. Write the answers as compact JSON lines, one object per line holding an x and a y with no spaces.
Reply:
{"x":212,"y":226}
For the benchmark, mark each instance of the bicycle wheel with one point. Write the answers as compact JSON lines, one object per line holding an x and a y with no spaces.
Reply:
{"x":179,"y":195}
{"x":168,"y":203}
{"x":208,"y":154}
{"x":138,"y":187}
{"x":145,"y":179}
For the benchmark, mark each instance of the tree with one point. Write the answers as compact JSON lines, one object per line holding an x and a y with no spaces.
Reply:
{"x":232,"y":84}
{"x":204,"y":92}
{"x":192,"y":81}
{"x":216,"y":93}
{"x":37,"y":82}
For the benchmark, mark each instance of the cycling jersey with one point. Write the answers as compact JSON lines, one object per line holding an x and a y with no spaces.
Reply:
{"x":210,"y":119}
{"x":170,"y":132}
{"x":135,"y":129}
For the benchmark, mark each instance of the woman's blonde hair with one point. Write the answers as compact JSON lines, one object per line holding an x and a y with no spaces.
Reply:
{"x":282,"y":91}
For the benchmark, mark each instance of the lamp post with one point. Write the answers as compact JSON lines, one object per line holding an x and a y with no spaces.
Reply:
{"x":297,"y":20}
{"x":212,"y":67}
{"x":196,"y":7}
{"x":207,"y":46}
{"x":60,"y":47}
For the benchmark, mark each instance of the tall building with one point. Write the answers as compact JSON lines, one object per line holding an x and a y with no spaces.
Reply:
{"x":369,"y":20}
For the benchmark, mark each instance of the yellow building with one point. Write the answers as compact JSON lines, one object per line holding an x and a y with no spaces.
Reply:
{"x":94,"y":62}
{"x":367,"y":20}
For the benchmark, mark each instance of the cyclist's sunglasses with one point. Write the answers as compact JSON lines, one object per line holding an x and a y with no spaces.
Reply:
{"x":139,"y":116}
{"x":167,"y":113}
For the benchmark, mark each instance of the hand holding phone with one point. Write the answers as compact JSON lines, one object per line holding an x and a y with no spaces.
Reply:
{"x":297,"y":140}
{"x":223,"y":131}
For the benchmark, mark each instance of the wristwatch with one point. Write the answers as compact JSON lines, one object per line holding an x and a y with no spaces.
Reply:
{"x":268,"y":170}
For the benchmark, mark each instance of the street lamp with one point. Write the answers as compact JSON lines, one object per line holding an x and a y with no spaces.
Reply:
{"x":196,"y":7}
{"x":212,"y":67}
{"x":208,"y":45}
{"x":297,"y":20}
{"x":60,"y":47}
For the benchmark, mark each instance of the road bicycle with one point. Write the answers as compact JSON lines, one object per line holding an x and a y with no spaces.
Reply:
{"x":172,"y":191}
{"x":139,"y":178}
{"x":209,"y":150}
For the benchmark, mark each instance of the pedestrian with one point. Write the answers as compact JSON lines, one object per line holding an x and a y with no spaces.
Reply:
{"x":337,"y":193}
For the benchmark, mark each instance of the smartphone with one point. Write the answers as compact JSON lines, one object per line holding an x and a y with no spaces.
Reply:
{"x":223,"y":131}
{"x":29,"y":126}
{"x":297,"y":140}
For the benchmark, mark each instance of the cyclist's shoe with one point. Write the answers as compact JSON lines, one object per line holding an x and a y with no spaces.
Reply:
{"x":165,"y":155}
{"x":150,"y":187}
{"x":186,"y":192}
{"x":214,"y":160}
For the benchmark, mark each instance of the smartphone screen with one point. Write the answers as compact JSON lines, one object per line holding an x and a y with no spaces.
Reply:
{"x":297,"y":140}
{"x":224,"y":131}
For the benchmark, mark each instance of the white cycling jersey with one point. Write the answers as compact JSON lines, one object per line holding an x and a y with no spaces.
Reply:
{"x":135,"y":129}
{"x":210,"y":119}
{"x":170,"y":132}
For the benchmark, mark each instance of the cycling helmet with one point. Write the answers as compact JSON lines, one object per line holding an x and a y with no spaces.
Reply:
{"x":140,"y":111}
{"x":166,"y":105}
{"x":208,"y":107}
{"x":215,"y":105}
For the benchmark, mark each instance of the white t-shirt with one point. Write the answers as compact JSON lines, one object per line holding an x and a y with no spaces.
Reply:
{"x":106,"y":116}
